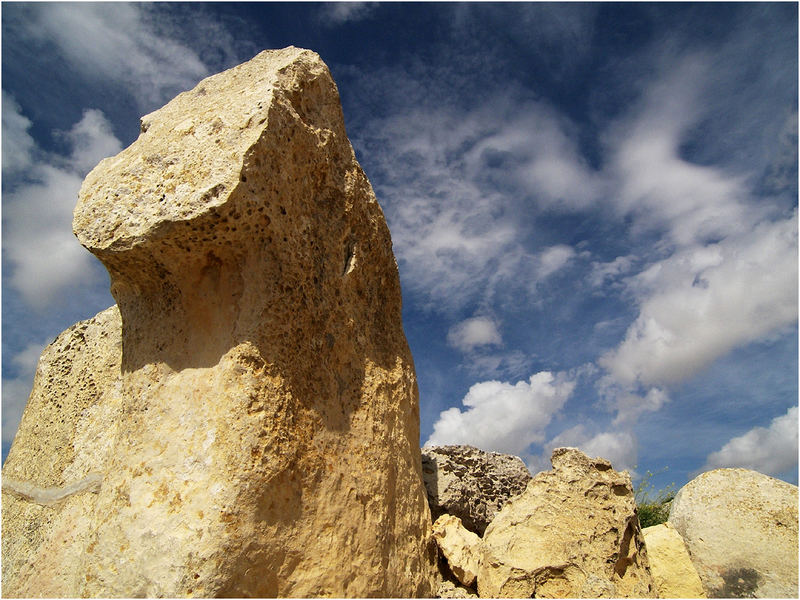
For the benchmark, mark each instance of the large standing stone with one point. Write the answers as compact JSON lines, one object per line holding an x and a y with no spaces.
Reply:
{"x":672,"y":569}
{"x":573,"y":533}
{"x":740,"y":528}
{"x":263,"y":420}
{"x":471,"y":484}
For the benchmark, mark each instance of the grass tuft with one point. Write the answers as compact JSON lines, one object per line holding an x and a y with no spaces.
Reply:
{"x":652,"y":507}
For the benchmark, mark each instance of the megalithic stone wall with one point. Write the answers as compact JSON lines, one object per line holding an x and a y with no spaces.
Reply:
{"x":263,"y":438}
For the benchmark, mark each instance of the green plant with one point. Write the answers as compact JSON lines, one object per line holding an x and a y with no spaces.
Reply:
{"x":652,"y":507}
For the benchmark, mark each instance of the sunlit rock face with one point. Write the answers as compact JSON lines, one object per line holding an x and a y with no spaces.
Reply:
{"x":740,"y":528}
{"x":673,"y":572}
{"x":66,"y":439}
{"x":266,"y":441}
{"x":461,"y":548}
{"x":573,"y":533}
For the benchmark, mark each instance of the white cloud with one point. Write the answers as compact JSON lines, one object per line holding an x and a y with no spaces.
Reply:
{"x":27,"y":359}
{"x":15,"y":397}
{"x":781,"y":172}
{"x":718,"y":265}
{"x":723,"y":269}
{"x":117,"y":42}
{"x":18,"y":145}
{"x":619,"y":447}
{"x":92,"y":140}
{"x":454,"y":183}
{"x":471,"y":333}
{"x":727,"y":271}
{"x":687,"y":203}
{"x":504,"y":417}
{"x":702,"y":302}
{"x":770,"y":450}
{"x":630,"y":406}
{"x":538,"y":153}
{"x":692,"y":203}
{"x":44,"y":255}
{"x":337,"y":13}
{"x":604,"y":271}
{"x":450,"y":235}
{"x":553,"y":259}
{"x":17,"y":390}
{"x":487,"y":362}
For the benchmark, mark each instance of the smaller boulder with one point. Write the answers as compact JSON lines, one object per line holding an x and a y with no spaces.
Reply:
{"x":471,"y":484}
{"x":670,"y":564}
{"x":740,"y":528}
{"x":460,"y":547}
{"x":573,"y":533}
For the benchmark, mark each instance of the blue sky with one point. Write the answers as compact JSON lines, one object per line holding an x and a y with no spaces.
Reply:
{"x":593,"y":206}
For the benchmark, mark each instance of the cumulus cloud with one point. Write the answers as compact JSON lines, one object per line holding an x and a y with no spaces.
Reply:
{"x":770,"y":450}
{"x":471,"y":333}
{"x":504,"y":417}
{"x":618,"y":447}
{"x":44,"y":256}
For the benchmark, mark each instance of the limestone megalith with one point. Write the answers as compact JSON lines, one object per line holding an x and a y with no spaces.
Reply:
{"x":262,"y":436}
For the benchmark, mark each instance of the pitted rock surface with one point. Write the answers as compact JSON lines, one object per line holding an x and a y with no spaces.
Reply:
{"x":471,"y":484}
{"x":740,"y":528}
{"x":573,"y":533}
{"x":266,"y":442}
{"x":67,"y":432}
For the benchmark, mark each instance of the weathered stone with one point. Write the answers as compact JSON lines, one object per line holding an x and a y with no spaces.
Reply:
{"x":740,"y":528}
{"x":460,"y":547}
{"x":573,"y":533}
{"x":471,"y":484}
{"x":264,"y":440}
{"x":66,"y":434}
{"x":451,"y":589}
{"x":670,"y":564}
